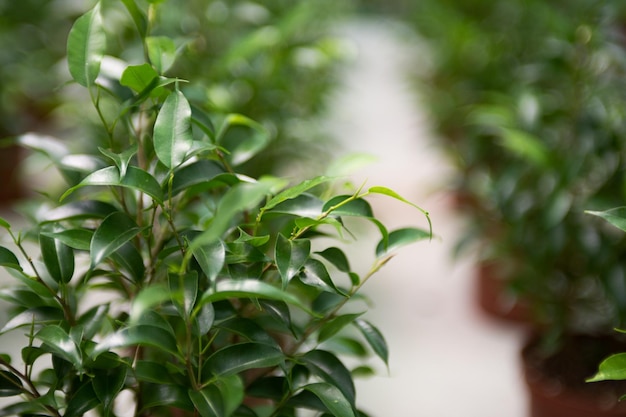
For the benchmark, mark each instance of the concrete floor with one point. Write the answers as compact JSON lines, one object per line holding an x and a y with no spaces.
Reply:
{"x":446,"y":358}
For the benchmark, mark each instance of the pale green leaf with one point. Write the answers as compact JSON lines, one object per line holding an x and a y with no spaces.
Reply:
{"x":172,"y":130}
{"x":86,"y":45}
{"x":615,"y":216}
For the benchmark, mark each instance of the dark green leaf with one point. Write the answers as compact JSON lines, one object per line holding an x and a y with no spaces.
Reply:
{"x":242,"y":145}
{"x":335,"y":325}
{"x":140,"y":19}
{"x":83,"y":400}
{"x":316,"y":275}
{"x":113,"y":232}
{"x":196,"y":173}
{"x":84,"y":209}
{"x":232,"y":393}
{"x":8,"y":259}
{"x":332,"y":398}
{"x":248,"y":330}
{"x":58,"y":258}
{"x":91,"y":320}
{"x":150,"y":371}
{"x":79,"y":239}
{"x":290,"y":255}
{"x":60,"y":344}
{"x":141,"y":335}
{"x":330,"y":369}
{"x":86,"y":45}
{"x":336,"y":257}
{"x":38,"y":315}
{"x":237,"y":358}
{"x":128,"y":258}
{"x":211,"y":258}
{"x":155,"y":395}
{"x":375,"y":339}
{"x":208,"y":401}
{"x":10,"y":384}
{"x":107,"y":384}
{"x":172,"y":130}
{"x":184,"y":289}
{"x":400,"y":238}
{"x":135,"y":178}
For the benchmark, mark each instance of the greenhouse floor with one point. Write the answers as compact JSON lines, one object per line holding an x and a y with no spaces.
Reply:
{"x":446,"y":358}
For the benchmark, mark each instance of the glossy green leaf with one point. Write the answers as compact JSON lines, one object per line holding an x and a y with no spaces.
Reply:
{"x":611,"y":368}
{"x":256,"y":241}
{"x":39,"y":315}
{"x":58,"y":258}
{"x":128,"y":258}
{"x":74,"y":238}
{"x":139,"y":77}
{"x":232,"y":393}
{"x":91,"y":321}
{"x":172,"y":130}
{"x":335,"y":325}
{"x":184,"y":290}
{"x":114,"y":231}
{"x":8,"y":259}
{"x":195,"y":174}
{"x":247,"y":329}
{"x":10,"y":384}
{"x":86,"y":45}
{"x":204,"y":319}
{"x":290,"y":255}
{"x":239,"y":198}
{"x":400,"y":238}
{"x":242,"y":145}
{"x":331,"y":370}
{"x":107,"y":384}
{"x":138,"y":16}
{"x":60,"y":344}
{"x":146,"y":300}
{"x":150,"y":371}
{"x":316,"y":275}
{"x":121,"y":160}
{"x":83,"y":400}
{"x":615,"y":216}
{"x":336,"y":257}
{"x":161,"y":51}
{"x":135,"y":178}
{"x":208,"y":401}
{"x":234,"y":359}
{"x":141,"y":335}
{"x":4,"y":224}
{"x":76,"y":210}
{"x":295,"y":191}
{"x":155,"y":395}
{"x":211,"y":258}
{"x":390,"y":193}
{"x":375,"y":339}
{"x":304,"y":205}
{"x":343,"y":206}
{"x":250,"y":288}
{"x":332,"y":398}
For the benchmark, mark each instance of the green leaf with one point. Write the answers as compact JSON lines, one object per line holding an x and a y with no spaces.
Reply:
{"x":390,"y":193}
{"x":250,"y":288}
{"x":375,"y":339}
{"x":242,"y":145}
{"x":140,"y":335}
{"x":155,"y":395}
{"x":61,"y":344}
{"x":336,"y":257}
{"x":10,"y":384}
{"x":526,"y":146}
{"x":5,"y":224}
{"x":211,"y":258}
{"x":358,"y":207}
{"x":122,"y":160}
{"x":335,"y":325}
{"x":150,"y":371}
{"x":304,"y":205}
{"x":58,"y":258}
{"x":184,"y":290}
{"x":91,"y":320}
{"x":316,"y":275}
{"x":611,"y":368}
{"x":146,"y":300}
{"x":107,"y":384}
{"x":38,"y":315}
{"x":135,"y":178}
{"x":232,"y":393}
{"x":332,"y":398}
{"x":140,"y":19}
{"x":208,"y":401}
{"x":74,"y":238}
{"x":86,"y":45}
{"x":83,"y":400}
{"x":139,"y":77}
{"x":195,"y":174}
{"x":291,"y":255}
{"x":295,"y":191}
{"x":83,"y":209}
{"x":113,"y":232}
{"x":331,"y":370}
{"x":615,"y":216}
{"x":172,"y":130}
{"x":162,"y":52}
{"x":234,"y":359}
{"x":8,"y":259}
{"x":400,"y":238}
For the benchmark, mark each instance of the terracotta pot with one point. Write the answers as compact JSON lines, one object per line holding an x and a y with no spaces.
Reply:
{"x":556,"y":383}
{"x":496,"y":298}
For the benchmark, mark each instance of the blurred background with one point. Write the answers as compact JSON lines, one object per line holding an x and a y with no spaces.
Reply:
{"x":505,"y":120}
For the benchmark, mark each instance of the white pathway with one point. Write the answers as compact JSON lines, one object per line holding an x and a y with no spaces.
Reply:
{"x":446,"y":360}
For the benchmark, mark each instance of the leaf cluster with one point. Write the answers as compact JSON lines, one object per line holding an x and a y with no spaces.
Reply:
{"x":163,"y":278}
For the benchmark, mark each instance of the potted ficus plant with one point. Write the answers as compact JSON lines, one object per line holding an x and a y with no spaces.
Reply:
{"x":159,"y":280}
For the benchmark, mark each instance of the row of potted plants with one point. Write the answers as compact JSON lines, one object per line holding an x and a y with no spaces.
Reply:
{"x":164,"y":277}
{"x":528,"y":98}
